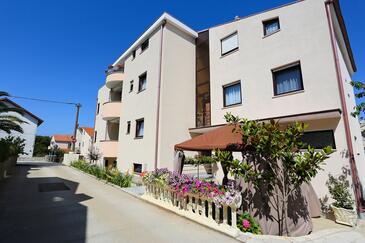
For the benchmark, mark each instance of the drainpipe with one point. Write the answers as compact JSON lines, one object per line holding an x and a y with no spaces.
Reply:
{"x":159,"y":96}
{"x":355,"y":177}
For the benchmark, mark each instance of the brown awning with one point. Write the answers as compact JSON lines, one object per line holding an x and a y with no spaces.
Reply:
{"x":222,"y":138}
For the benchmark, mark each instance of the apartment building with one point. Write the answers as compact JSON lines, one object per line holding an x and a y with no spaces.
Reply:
{"x":291,"y":63}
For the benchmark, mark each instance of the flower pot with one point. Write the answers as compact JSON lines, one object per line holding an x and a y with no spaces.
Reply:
{"x":345,"y":216}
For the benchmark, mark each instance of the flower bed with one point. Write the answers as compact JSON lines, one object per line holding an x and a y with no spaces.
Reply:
{"x":198,"y":199}
{"x":113,"y":176}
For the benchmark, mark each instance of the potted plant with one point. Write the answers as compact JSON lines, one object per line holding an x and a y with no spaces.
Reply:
{"x":343,"y":205}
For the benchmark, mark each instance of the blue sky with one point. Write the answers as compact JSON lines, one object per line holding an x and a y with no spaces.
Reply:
{"x":59,"y":49}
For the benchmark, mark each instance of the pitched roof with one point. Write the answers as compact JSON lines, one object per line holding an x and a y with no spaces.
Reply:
{"x":62,"y":138}
{"x":39,"y":120}
{"x":88,"y":130}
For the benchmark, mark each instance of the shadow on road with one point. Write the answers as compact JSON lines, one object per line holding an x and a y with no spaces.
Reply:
{"x":41,"y":209}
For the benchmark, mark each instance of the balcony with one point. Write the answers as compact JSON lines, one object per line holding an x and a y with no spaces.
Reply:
{"x":111,"y":110}
{"x":109,"y":148}
{"x":114,"y":78}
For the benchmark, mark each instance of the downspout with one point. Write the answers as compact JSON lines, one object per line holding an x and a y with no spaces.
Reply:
{"x":355,"y":177}
{"x":159,"y":96}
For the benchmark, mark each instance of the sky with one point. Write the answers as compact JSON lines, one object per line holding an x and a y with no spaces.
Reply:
{"x":59,"y":49}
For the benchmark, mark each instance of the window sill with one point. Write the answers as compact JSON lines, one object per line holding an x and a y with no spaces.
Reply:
{"x":140,"y":91}
{"x":229,"y":53}
{"x":273,"y":33}
{"x":138,"y":137}
{"x":231,"y":106}
{"x":289,"y":93}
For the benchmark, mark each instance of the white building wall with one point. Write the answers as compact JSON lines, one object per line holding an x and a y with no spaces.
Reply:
{"x":30,"y":131}
{"x":303,"y":37}
{"x":100,"y":124}
{"x":137,"y":105}
{"x":177,"y":112}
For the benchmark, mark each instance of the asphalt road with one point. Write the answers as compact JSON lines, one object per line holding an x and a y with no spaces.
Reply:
{"x":44,"y":202}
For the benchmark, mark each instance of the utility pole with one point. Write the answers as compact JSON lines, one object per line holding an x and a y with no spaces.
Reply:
{"x":78,"y":105}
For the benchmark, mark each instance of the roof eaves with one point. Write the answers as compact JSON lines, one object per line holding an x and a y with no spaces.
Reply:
{"x":164,"y":17}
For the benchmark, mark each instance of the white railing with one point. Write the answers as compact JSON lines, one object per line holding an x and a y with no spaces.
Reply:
{"x":194,"y":206}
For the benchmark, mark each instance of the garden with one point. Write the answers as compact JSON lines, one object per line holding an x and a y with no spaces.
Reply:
{"x":270,"y":192}
{"x":108,"y":175}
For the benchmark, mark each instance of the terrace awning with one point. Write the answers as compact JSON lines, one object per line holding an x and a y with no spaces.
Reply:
{"x":222,"y":138}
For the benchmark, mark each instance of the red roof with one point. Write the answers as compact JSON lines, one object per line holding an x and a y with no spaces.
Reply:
{"x":89,"y":130}
{"x":62,"y":138}
{"x":222,"y":138}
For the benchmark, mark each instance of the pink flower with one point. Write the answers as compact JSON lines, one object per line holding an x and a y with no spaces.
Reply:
{"x":246,"y":224}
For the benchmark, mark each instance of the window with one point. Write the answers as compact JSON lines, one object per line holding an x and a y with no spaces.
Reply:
{"x":229,"y":44}
{"x":319,"y":139}
{"x":128,"y":127}
{"x":144,"y":45}
{"x":97,"y":109}
{"x":137,"y":168}
{"x":133,"y":54}
{"x":288,"y":79}
{"x":139,"y":128}
{"x":131,"y":86}
{"x":142,"y":82}
{"x":232,"y":94}
{"x":95,"y":135}
{"x":271,"y":26}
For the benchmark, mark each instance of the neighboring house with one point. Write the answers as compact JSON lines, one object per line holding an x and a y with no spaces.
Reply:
{"x":29,"y":128}
{"x":291,"y":63}
{"x":62,"y":141}
{"x":84,"y":140}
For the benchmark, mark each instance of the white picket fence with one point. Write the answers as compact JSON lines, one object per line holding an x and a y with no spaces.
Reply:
{"x":195,"y":207}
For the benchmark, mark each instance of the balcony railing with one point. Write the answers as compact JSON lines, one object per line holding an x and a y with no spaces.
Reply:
{"x":109,"y":148}
{"x":111,"y":110}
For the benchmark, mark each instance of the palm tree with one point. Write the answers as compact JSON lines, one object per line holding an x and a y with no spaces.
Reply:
{"x":9,"y":123}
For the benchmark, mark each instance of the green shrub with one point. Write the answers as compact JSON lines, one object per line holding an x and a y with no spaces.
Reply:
{"x":339,"y":190}
{"x":246,"y":223}
{"x":113,"y":176}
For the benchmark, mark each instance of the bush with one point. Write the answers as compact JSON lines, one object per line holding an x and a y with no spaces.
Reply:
{"x":113,"y":176}
{"x":11,"y":146}
{"x":339,"y":190}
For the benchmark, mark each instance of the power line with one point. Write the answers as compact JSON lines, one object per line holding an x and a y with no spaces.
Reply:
{"x":44,"y":100}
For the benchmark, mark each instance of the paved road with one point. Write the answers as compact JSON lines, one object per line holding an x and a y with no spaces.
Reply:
{"x":51,"y":203}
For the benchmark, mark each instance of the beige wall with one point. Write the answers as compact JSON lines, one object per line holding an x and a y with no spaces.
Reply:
{"x":304,"y":37}
{"x":177,"y":93}
{"x":177,"y":100}
{"x":100,"y":124}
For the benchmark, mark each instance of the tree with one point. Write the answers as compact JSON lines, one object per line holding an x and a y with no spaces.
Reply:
{"x":360,"y":88}
{"x":9,"y":123}
{"x":272,"y":160}
{"x":93,"y":154}
{"x":41,"y":146}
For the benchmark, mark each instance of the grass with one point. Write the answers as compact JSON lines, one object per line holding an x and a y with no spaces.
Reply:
{"x":112,"y":176}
